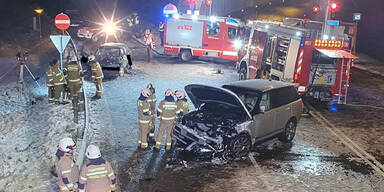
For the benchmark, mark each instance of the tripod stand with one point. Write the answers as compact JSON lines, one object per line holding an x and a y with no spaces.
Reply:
{"x":22,"y":59}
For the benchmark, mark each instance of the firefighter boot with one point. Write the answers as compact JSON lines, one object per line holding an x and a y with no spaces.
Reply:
{"x":65,"y":98}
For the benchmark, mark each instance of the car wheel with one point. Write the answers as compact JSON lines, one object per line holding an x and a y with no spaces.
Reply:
{"x":94,"y":38}
{"x":289,"y":131}
{"x":186,"y":55}
{"x":238,"y":148}
{"x":243,"y":73}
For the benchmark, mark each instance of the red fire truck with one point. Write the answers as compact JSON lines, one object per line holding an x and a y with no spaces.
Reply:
{"x":191,"y":36}
{"x":293,"y":51}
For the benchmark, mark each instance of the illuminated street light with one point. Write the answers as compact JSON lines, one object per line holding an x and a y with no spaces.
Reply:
{"x":109,"y":28}
{"x":298,"y":33}
{"x":39,"y":11}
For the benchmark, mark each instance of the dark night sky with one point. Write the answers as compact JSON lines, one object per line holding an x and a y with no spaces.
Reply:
{"x":16,"y":15}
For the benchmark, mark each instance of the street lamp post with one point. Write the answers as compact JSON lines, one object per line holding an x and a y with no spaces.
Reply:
{"x":39,"y":11}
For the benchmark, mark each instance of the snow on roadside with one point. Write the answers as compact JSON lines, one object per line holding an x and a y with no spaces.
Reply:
{"x":28,"y":143}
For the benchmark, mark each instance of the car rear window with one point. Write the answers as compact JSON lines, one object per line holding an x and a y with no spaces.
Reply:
{"x":283,"y":96}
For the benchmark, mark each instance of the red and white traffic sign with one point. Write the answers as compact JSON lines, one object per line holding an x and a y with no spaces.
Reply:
{"x":62,"y":21}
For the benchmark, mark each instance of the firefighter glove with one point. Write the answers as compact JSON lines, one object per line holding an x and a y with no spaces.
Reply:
{"x":146,"y":113}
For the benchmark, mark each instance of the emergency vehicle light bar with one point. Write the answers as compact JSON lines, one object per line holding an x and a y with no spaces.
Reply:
{"x":328,"y":43}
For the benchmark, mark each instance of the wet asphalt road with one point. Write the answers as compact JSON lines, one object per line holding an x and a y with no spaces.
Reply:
{"x":315,"y":161}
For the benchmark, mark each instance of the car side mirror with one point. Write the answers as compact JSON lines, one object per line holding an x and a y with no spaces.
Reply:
{"x":262,"y":109}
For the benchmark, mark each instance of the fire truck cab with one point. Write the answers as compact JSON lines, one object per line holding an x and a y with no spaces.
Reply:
{"x":293,"y":51}
{"x":191,"y":36}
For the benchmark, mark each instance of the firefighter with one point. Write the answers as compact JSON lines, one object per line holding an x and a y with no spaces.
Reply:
{"x":58,"y":81}
{"x":144,"y":114}
{"x":161,"y":30}
{"x":67,"y":171}
{"x":152,"y":103}
{"x":97,"y":76}
{"x":149,"y":43}
{"x":97,"y":175}
{"x":123,"y":65}
{"x":166,"y":112}
{"x":49,"y":83}
{"x":182,"y":102}
{"x":73,"y":74}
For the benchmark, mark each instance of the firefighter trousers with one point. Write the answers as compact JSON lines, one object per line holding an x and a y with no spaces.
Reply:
{"x":99,"y":87}
{"x":59,"y":89}
{"x":143,"y":132}
{"x":74,"y":88}
{"x":152,"y":125}
{"x":149,"y":53}
{"x":51,"y":94}
{"x":165,"y":125}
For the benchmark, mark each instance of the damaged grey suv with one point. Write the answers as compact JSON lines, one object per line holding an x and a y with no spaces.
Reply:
{"x":228,"y":121}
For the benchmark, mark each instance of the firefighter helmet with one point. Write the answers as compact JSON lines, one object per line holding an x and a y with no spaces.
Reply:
{"x":180,"y":94}
{"x":169,"y":92}
{"x":93,"y":152}
{"x":151,"y":88}
{"x":66,"y":144}
{"x":146,"y":92}
{"x":91,"y":57}
{"x":147,"y":32}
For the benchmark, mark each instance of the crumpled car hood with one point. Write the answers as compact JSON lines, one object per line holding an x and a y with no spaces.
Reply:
{"x":200,"y":94}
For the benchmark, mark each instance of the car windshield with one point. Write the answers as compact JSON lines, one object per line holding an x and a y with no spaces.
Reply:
{"x":108,"y":52}
{"x":248,"y":98}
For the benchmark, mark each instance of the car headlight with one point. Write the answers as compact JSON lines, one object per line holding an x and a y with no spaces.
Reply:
{"x":237,"y":44}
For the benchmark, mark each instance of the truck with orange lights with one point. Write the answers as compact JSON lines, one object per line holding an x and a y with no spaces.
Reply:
{"x":295,"y":51}
{"x":191,"y":36}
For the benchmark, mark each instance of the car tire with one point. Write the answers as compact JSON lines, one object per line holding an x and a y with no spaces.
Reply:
{"x":94,"y":38}
{"x":239,"y":147}
{"x":186,"y":55}
{"x":289,"y":131}
{"x":243,"y":73}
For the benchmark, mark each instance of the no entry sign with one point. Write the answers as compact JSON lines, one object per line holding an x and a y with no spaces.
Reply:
{"x":62,"y":21}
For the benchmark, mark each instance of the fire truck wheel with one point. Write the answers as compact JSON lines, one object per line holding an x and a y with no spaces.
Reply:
{"x":185,"y":55}
{"x":243,"y":74}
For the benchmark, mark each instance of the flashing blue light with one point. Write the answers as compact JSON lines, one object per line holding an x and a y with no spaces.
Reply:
{"x":334,"y":109}
{"x":166,"y":15}
{"x":331,"y":103}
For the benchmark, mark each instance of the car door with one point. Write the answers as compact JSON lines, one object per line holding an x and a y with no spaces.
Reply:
{"x":263,"y":121}
{"x":280,"y":100}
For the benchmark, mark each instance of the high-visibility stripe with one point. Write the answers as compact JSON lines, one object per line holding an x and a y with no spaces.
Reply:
{"x":97,"y":173}
{"x":58,"y":74}
{"x":99,"y":77}
{"x":145,"y":110}
{"x":70,"y":185}
{"x":159,"y":110}
{"x":144,"y":121}
{"x":98,"y":176}
{"x":158,"y":143}
{"x":151,"y":134}
{"x":170,"y":105}
{"x":75,"y":80}
{"x":111,"y":174}
{"x":64,"y":188}
{"x":66,"y":171}
{"x":113,"y":186}
{"x":168,"y":118}
{"x":144,"y":144}
{"x":81,"y":190}
{"x":83,"y":178}
{"x":169,"y":144}
{"x":139,"y":142}
{"x":96,"y":169}
{"x":59,"y":83}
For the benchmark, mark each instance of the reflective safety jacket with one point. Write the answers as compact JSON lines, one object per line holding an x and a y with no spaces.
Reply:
{"x":183,"y":106}
{"x":152,"y":102}
{"x":97,"y":72}
{"x":58,"y":76}
{"x":67,"y":171}
{"x":144,"y":111}
{"x":97,"y":176}
{"x":168,"y":110}
{"x":161,"y":27}
{"x":73,"y":73}
{"x":49,"y":76}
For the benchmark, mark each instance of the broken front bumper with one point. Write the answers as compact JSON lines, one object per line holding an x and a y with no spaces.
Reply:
{"x":189,"y":140}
